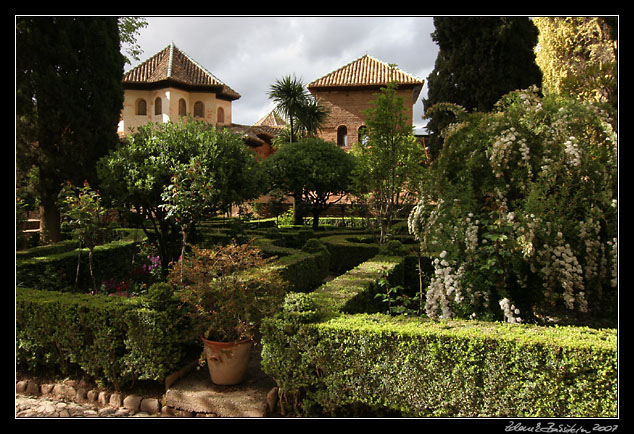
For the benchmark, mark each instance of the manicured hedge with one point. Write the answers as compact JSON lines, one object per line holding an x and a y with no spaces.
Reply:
{"x":50,"y":249}
{"x":347,"y":251}
{"x":113,"y":339}
{"x":306,"y":269}
{"x":328,"y":362}
{"x":57,"y":271}
{"x":354,"y":291}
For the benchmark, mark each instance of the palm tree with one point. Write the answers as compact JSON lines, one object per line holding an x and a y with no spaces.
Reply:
{"x":304,"y":114}
{"x":290,"y":95}
{"x":311,"y":117}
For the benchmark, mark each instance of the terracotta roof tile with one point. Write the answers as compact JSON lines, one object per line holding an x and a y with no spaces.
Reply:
{"x":272,"y":119}
{"x":365,"y":71}
{"x":172,"y":64}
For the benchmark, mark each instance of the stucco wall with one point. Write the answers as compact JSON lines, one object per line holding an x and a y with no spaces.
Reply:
{"x":170,"y":98}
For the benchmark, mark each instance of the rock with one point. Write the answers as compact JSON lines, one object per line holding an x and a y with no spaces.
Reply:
{"x":80,"y":396}
{"x":106,"y":411}
{"x":168,"y":411}
{"x":132,"y":402}
{"x":32,"y":388}
{"x":122,"y":412}
{"x":103,"y":398}
{"x":271,"y":399}
{"x":182,"y":413}
{"x":115,"y":400}
{"x":20,"y":386}
{"x":70,"y":382}
{"x":151,"y":406}
{"x":141,"y":414}
{"x":46,"y":388}
{"x":59,"y":391}
{"x":77,"y":411}
{"x":70,"y":392}
{"x":46,"y":408}
{"x":92,"y":395}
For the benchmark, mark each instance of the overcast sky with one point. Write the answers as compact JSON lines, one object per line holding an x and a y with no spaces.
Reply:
{"x":250,"y":53}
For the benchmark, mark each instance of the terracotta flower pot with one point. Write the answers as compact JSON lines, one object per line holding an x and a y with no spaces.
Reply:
{"x":227,"y":361}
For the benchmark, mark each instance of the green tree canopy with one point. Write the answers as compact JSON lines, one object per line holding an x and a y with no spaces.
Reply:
{"x":312,"y":170}
{"x":577,"y":56}
{"x":390,"y":161}
{"x":479,"y":60}
{"x":136,"y":175}
{"x":304,"y":113}
{"x":68,"y":102}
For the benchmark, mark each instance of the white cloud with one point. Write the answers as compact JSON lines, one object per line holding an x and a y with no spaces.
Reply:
{"x":250,"y":53}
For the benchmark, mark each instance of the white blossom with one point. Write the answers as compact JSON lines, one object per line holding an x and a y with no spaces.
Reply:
{"x":510,"y":311}
{"x":572,"y":152}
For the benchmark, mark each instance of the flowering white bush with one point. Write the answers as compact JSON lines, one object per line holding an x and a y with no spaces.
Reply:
{"x":520,"y":211}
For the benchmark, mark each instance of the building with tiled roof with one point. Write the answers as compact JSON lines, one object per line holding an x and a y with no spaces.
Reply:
{"x":272,"y":119}
{"x":348,"y":91}
{"x":171,"y":84}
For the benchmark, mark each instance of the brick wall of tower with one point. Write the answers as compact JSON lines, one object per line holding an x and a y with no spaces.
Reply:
{"x":346,"y":107}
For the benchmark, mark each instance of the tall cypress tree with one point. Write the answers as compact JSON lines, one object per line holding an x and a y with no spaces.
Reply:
{"x":479,"y":60}
{"x":69,"y":96}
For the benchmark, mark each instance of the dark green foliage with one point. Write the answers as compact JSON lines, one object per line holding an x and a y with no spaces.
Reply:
{"x":425,"y":368}
{"x":69,"y":95}
{"x":479,"y":60}
{"x":330,"y":356}
{"x":136,"y":174}
{"x":112,"y":339}
{"x":347,"y":251}
{"x":329,"y":363}
{"x":49,"y":249}
{"x":313,"y":170}
{"x":57,"y":271}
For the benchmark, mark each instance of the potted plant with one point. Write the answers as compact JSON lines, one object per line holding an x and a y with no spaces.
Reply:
{"x":227,"y":291}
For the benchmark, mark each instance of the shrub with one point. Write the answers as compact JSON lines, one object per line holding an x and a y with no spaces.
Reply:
{"x":521,"y":213}
{"x":305,"y":270}
{"x":347,"y":252}
{"x":115,"y":340}
{"x":228,"y":290}
{"x":423,"y":368}
{"x":55,"y":272}
{"x":329,"y":362}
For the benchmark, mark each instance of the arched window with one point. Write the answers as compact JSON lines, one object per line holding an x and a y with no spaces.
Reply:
{"x":199,"y":109}
{"x":182,"y":107}
{"x":363,"y":134}
{"x":221,"y":115}
{"x":158,"y":106}
{"x":342,"y":136}
{"x":141,"y":107}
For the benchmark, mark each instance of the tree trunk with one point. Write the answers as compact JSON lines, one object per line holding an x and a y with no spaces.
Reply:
{"x":182,"y":257}
{"x":92,"y":276}
{"x":298,"y":218}
{"x":49,"y":220}
{"x":78,"y":264}
{"x":420,"y":283}
{"x":315,"y":219}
